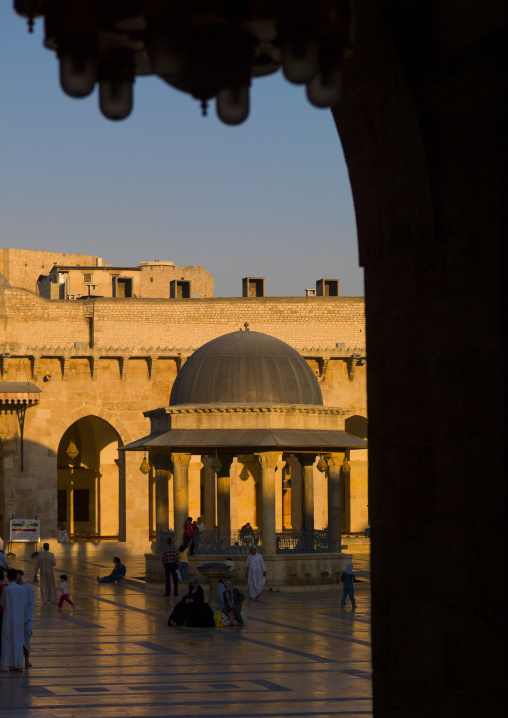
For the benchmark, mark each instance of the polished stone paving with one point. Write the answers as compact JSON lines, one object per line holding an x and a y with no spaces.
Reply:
{"x":299,"y":655}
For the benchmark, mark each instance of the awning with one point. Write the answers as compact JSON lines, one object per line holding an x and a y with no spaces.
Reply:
{"x":15,"y":393}
{"x":201,"y":441}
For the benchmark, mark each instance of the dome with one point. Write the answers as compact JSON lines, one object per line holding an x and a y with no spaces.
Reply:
{"x":246,"y":368}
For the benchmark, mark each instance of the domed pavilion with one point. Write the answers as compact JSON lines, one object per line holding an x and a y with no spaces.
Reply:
{"x":251,"y":395}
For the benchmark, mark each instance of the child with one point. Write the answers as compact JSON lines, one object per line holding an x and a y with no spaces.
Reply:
{"x":184,"y":563}
{"x":347,"y":579}
{"x":64,"y":588}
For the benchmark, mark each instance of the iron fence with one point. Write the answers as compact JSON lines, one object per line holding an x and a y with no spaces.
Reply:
{"x":207,"y":542}
{"x":297,"y":541}
{"x":293,"y":541}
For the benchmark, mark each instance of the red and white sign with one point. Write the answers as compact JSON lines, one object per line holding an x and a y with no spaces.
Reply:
{"x":25,"y":530}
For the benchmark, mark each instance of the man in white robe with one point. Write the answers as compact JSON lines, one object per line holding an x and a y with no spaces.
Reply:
{"x":256,"y":572}
{"x":30,"y":601}
{"x":44,"y":563}
{"x":13,"y":628}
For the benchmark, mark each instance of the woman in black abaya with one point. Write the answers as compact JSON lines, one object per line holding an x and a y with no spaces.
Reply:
{"x":192,"y":610}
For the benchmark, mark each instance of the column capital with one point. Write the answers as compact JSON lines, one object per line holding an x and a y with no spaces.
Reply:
{"x":335,"y":460}
{"x":268,"y":459}
{"x":181,"y":460}
{"x":306,"y":459}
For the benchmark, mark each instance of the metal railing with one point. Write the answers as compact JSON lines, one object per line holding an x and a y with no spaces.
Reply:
{"x":294,"y":541}
{"x":297,"y":541}
{"x":207,"y":542}
{"x":289,"y":541}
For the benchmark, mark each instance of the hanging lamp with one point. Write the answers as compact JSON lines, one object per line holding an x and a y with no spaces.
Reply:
{"x":216,"y":465}
{"x":322,"y":464}
{"x":145,"y":466}
{"x":72,"y":449}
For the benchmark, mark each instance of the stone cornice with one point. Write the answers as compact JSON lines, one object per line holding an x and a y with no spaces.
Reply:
{"x":248,"y":409}
{"x":353,"y":356}
{"x":333,"y":352}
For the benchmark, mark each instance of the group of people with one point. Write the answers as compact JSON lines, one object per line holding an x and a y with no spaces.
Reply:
{"x":192,"y":609}
{"x":191,"y":531}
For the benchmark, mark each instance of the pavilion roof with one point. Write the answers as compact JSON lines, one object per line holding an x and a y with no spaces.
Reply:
{"x":200,"y":441}
{"x":19,"y":392}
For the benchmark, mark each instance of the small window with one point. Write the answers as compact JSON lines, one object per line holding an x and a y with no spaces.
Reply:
{"x":87,"y":278}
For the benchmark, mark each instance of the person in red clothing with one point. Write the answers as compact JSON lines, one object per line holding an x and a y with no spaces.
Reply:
{"x":188,"y":535}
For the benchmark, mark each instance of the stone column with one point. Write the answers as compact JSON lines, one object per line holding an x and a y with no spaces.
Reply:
{"x":136,"y":504}
{"x":70,"y":507}
{"x":180,"y":493}
{"x":334,"y":518}
{"x":307,"y":462}
{"x":224,"y":501}
{"x":209,"y":481}
{"x":162,"y":468}
{"x":268,"y":461}
{"x":296,"y":492}
{"x":279,"y":478}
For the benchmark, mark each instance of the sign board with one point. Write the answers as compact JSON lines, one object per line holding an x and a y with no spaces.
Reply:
{"x":25,"y":530}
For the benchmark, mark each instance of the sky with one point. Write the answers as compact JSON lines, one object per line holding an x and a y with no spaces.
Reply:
{"x":268,"y":198}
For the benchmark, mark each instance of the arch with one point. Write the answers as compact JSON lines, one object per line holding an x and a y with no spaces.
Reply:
{"x":423,"y":137}
{"x":90,"y":479}
{"x":89,"y":410}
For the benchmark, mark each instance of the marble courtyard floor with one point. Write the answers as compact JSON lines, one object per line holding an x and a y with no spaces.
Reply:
{"x":299,"y":655}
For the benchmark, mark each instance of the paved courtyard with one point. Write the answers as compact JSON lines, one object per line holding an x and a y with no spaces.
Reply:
{"x":299,"y":655}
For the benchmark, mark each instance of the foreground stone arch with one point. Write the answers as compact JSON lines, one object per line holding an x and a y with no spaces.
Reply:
{"x":423,"y":131}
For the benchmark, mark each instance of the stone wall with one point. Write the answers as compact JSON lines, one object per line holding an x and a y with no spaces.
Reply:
{"x":22,"y":267}
{"x":114,"y":359}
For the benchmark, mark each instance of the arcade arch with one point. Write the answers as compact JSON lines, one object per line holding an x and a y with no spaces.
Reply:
{"x":90,"y":480}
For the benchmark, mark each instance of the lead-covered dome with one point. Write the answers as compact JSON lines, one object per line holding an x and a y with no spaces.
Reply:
{"x":246,"y":368}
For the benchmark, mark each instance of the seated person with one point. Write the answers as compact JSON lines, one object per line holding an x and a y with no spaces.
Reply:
{"x":61,"y":533}
{"x":192,"y":610}
{"x":247,"y":533}
{"x":233,"y":599}
{"x":116,"y":574}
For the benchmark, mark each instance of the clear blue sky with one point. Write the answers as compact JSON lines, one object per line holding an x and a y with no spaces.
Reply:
{"x":268,"y":198}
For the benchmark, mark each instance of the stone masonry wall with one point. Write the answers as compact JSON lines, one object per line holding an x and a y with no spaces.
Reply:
{"x":22,"y":267}
{"x":137,"y":348}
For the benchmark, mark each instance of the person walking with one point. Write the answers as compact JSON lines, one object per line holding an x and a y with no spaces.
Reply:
{"x":30,"y":601}
{"x":13,"y":629}
{"x":116,"y":574}
{"x":256,"y":572}
{"x":171,"y":563}
{"x":44,"y":563}
{"x":347,"y":579}
{"x":64,"y":588}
